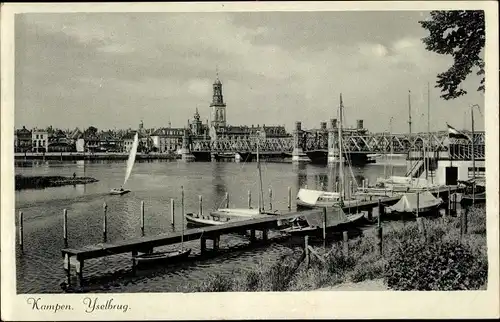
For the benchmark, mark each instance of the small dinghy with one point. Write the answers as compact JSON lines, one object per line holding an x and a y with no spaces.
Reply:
{"x":210,"y":220}
{"x":162,"y":257}
{"x":120,"y":191}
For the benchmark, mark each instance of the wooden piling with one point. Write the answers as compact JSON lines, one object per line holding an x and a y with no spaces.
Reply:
{"x":364,"y":181}
{"x":449,"y":202}
{"x":265,"y":235}
{"x":463,"y":223}
{"x":172,"y":212}
{"x":182,"y":203}
{"x":249,"y":199}
{"x":324,"y":224}
{"x":203,"y":245}
{"x":289,"y":198}
{"x":380,"y":240}
{"x":21,"y":234}
{"x":306,"y":250}
{"x":79,"y":270}
{"x":380,"y":212}
{"x":370,"y":214}
{"x":227,"y":199}
{"x":270,"y":199}
{"x":142,"y":218}
{"x":134,"y":264}
{"x":252,"y":236}
{"x":105,"y":222}
{"x":216,"y":242}
{"x":345,"y":238}
{"x":200,"y":205}
{"x":418,"y":203}
{"x":337,"y":186}
{"x":65,"y":227}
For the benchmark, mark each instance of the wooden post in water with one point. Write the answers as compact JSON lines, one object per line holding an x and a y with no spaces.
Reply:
{"x":65,"y":227}
{"x":306,"y":250}
{"x":21,"y":234}
{"x":200,"y":205}
{"x":182,"y":204}
{"x":104,"y":222}
{"x":270,"y":199}
{"x":142,"y":218}
{"x":364,"y":181}
{"x":172,"y":212}
{"x":227,"y":199}
{"x":345,"y":238}
{"x":289,"y":198}
{"x":379,"y":227}
{"x":380,"y":211}
{"x":337,"y":186}
{"x":449,"y":201}
{"x":249,"y":199}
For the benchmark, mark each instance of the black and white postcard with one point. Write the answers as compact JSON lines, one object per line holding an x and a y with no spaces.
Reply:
{"x":249,"y":160}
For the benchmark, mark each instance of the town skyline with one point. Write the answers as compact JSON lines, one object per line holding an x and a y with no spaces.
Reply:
{"x":114,"y":70}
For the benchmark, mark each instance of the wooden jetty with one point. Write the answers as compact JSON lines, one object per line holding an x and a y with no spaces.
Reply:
{"x":213,"y":233}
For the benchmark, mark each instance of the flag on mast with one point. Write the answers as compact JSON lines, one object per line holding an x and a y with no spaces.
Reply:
{"x":454,"y":133}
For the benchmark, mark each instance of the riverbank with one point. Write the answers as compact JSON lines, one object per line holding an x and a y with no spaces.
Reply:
{"x":438,"y":259}
{"x":75,"y":156}
{"x":41,"y":182}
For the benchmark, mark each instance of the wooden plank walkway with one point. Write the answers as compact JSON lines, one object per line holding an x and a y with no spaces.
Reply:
{"x":149,"y":242}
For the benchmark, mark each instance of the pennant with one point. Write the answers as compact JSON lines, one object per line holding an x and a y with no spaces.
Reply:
{"x":454,"y":133}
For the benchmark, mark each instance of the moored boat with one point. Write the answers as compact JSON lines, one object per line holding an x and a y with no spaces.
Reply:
{"x":162,"y":257}
{"x":410,"y":203}
{"x":210,"y":220}
{"x":121,"y":191}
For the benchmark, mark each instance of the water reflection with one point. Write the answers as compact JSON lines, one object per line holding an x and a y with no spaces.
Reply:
{"x":301,"y":170}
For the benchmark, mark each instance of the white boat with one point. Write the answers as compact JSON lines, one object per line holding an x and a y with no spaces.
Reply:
{"x":214,"y":219}
{"x":309,"y":198}
{"x":409,"y":203}
{"x":162,"y":257}
{"x":130,"y":165}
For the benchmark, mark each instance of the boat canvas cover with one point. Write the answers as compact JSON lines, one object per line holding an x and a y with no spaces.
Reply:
{"x":334,"y":216}
{"x":309,"y":196}
{"x":243,"y":212}
{"x":408,"y":202}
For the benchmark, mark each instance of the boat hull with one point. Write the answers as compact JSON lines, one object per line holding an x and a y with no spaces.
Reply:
{"x":118,"y":192}
{"x":321,"y":204}
{"x":162,"y":257}
{"x":194,"y":219}
{"x":352,"y":220}
{"x":423,"y":212}
{"x":479,"y":198}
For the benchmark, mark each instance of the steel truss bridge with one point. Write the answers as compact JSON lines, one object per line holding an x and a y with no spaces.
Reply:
{"x":369,"y":143}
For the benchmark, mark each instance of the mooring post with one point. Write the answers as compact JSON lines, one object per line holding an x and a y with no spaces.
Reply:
{"x":172,"y":212}
{"x":345,"y":238}
{"x":306,"y":250}
{"x":249,"y":199}
{"x":418,"y":203}
{"x":216,"y":242}
{"x":448,"y":210}
{"x":79,"y":270}
{"x":463,"y":223}
{"x":264,"y":235}
{"x":200,"y":205}
{"x":182,"y":203}
{"x":21,"y":237}
{"x":65,"y":227}
{"x":67,"y":268}
{"x":203,"y":245}
{"x":337,"y":186}
{"x":324,"y":227}
{"x":363,"y":185}
{"x":289,"y":198}
{"x":270,"y":199}
{"x":142,"y":218}
{"x":227,"y":199}
{"x":370,"y":213}
{"x":105,"y":222}
{"x":380,"y":211}
{"x":252,"y":235}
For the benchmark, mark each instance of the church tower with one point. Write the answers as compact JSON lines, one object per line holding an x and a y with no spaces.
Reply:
{"x":218,"y":107}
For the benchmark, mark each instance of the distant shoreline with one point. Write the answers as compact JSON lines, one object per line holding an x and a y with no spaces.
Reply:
{"x":41,"y":182}
{"x":71,"y":156}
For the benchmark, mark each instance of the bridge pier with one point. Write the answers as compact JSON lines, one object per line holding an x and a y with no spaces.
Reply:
{"x":333,"y":150}
{"x":237,"y":157}
{"x":298,"y":154}
{"x":186,"y":154}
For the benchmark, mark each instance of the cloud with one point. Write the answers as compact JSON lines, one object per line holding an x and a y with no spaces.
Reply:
{"x":113,"y":69}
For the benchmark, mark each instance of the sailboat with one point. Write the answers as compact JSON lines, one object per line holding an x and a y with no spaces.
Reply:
{"x":309,"y":198}
{"x":166,"y":256}
{"x":225,"y":215}
{"x":130,"y":165}
{"x":419,"y":202}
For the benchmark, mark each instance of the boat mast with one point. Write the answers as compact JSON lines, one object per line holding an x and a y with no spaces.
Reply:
{"x":409,"y":124}
{"x":182,"y":222}
{"x":385,"y":158}
{"x":473,"y":157}
{"x":392,"y":146}
{"x":341,"y":157}
{"x":261,"y":194}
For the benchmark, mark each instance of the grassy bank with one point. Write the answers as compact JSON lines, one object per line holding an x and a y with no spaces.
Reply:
{"x":40,"y":182}
{"x":411,"y":260}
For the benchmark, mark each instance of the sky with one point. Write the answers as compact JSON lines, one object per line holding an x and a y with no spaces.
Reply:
{"x":112,"y":70}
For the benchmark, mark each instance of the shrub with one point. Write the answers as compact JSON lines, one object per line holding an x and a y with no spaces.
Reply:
{"x":444,"y":267}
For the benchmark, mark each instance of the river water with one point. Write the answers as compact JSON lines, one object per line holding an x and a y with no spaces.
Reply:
{"x":40,"y":268}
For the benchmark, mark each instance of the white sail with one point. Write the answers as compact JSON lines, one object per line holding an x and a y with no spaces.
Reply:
{"x":131,"y":158}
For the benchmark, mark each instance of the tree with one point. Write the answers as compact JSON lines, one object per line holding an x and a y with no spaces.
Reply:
{"x":460,"y":34}
{"x":91,"y":131}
